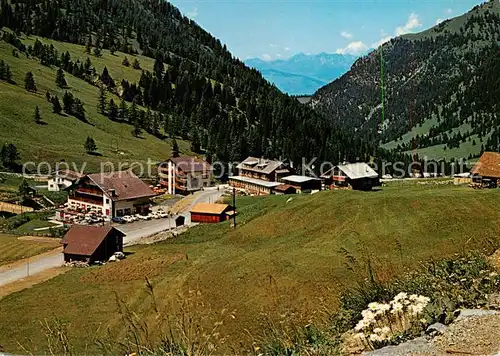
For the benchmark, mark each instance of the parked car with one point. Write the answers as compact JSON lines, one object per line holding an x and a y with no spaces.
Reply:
{"x":143,"y":217}
{"x":128,"y":219}
{"x":118,"y":220}
{"x":162,"y":214}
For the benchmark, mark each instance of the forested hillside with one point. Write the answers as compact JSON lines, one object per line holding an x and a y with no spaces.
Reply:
{"x":196,"y":89}
{"x":440,"y":86}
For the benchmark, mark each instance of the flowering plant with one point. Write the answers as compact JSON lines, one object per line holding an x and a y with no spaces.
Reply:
{"x":381,"y":322}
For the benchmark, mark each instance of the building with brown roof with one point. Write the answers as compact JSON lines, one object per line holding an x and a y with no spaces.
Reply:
{"x":259,"y":176}
{"x":111,"y":194}
{"x":63,"y":179}
{"x":486,"y":172}
{"x":185,"y":174}
{"x":211,"y":213}
{"x":91,"y":243}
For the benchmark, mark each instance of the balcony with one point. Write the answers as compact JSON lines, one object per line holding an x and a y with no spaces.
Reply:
{"x":86,"y":199}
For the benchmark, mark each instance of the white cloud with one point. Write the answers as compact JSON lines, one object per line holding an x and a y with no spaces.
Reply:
{"x":278,"y":55}
{"x":288,"y":49}
{"x":346,"y":35}
{"x":192,"y":14}
{"x":448,"y":11}
{"x":412,"y":24}
{"x":272,"y":45}
{"x":266,"y":57}
{"x":381,"y":41}
{"x":438,"y":21}
{"x":354,"y":48}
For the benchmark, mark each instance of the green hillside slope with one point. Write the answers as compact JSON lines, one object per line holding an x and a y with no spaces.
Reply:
{"x":61,"y":137}
{"x":286,"y":260}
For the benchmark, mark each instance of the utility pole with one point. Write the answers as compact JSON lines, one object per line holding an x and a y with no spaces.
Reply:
{"x":234,"y":208}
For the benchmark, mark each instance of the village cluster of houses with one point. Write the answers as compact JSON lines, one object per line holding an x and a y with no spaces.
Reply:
{"x":123,"y":193}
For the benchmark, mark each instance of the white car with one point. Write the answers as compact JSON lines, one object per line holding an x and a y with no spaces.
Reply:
{"x":143,"y":217}
{"x":154,"y":215}
{"x":128,"y":219}
{"x":162,"y":214}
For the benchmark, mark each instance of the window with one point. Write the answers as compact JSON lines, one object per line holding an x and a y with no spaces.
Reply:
{"x":107,"y":201}
{"x":127,"y":211}
{"x":119,"y":212}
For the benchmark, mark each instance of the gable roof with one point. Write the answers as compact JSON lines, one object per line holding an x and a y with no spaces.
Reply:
{"x":298,"y":179}
{"x":488,"y":165}
{"x":125,"y":184}
{"x":285,"y":188}
{"x":209,"y":208}
{"x":190,"y":164}
{"x":260,"y":165}
{"x":354,"y":171}
{"x":84,"y":240}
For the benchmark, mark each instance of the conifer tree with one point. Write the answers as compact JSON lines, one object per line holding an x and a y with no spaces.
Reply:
{"x":112,"y":110}
{"x":175,"y":148}
{"x":90,"y":145}
{"x":29,"y":82}
{"x":37,"y":116}
{"x":102,"y":100}
{"x":60,"y":79}
{"x":56,"y":105}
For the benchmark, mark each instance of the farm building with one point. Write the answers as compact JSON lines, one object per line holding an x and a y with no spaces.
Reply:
{"x":184,"y":175}
{"x":91,"y":243}
{"x":211,"y":213}
{"x":462,"y":178}
{"x":259,"y":176}
{"x":358,"y":176}
{"x":486,"y":172}
{"x":63,"y":179}
{"x":302,"y":183}
{"x":111,"y":194}
{"x":285,"y":189}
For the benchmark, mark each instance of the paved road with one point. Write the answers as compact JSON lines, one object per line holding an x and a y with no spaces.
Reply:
{"x":141,"y":229}
{"x":134,"y":232}
{"x":32,"y":267}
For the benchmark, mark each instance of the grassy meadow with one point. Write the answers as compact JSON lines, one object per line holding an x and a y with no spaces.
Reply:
{"x":285,"y":261}
{"x":61,"y":137}
{"x":13,"y":249}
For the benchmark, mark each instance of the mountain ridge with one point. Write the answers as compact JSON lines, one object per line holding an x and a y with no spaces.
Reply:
{"x":313,"y":70}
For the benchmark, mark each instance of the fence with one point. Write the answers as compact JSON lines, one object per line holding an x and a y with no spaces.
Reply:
{"x":14,"y":208}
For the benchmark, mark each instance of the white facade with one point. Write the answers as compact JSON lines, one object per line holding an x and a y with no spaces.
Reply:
{"x":56,"y":183}
{"x":106,"y":208}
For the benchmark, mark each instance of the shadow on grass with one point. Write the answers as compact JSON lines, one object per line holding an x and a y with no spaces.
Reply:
{"x":97,"y":154}
{"x":42,"y":123}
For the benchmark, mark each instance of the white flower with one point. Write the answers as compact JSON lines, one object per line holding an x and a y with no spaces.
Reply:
{"x":396,"y":308}
{"x":375,"y":338}
{"x":416,"y":308}
{"x":413,"y":297}
{"x":423,"y":300}
{"x":383,"y":308}
{"x":373,"y":306}
{"x":360,"y":325}
{"x":377,"y":331}
{"x":400,"y":296}
{"x":367,"y":314}
{"x":386,"y":330}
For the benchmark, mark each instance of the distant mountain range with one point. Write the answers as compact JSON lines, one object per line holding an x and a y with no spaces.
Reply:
{"x":303,"y":74}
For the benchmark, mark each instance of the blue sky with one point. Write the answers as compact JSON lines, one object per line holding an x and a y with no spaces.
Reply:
{"x":272,"y":29}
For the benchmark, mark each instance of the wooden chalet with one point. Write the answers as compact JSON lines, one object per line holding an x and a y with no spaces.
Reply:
{"x":91,"y":243}
{"x":302,"y":184}
{"x":486,"y":172}
{"x":259,"y":176}
{"x":357,"y":176}
{"x":211,"y":213}
{"x":111,"y":194}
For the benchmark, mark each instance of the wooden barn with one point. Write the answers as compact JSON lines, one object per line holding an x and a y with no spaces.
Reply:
{"x":91,"y":243}
{"x":211,"y":213}
{"x":357,"y":176}
{"x":486,"y":172}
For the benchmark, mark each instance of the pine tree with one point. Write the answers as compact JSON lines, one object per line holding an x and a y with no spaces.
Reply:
{"x":47,"y":96}
{"x":37,"y":116}
{"x":89,"y":145}
{"x":125,"y":62}
{"x":29,"y":82}
{"x":102,"y":100}
{"x":68,"y":102}
{"x":9,"y":155}
{"x":133,"y":114}
{"x":137,"y":130}
{"x":175,"y":148}
{"x":136,"y":64}
{"x":60,"y":79}
{"x":56,"y":105}
{"x":123,"y":111}
{"x":106,"y":78}
{"x":24,"y":189}
{"x":112,"y":110}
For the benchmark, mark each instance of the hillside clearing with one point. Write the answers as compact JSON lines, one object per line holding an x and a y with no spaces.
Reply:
{"x":61,"y":137}
{"x":292,"y":258}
